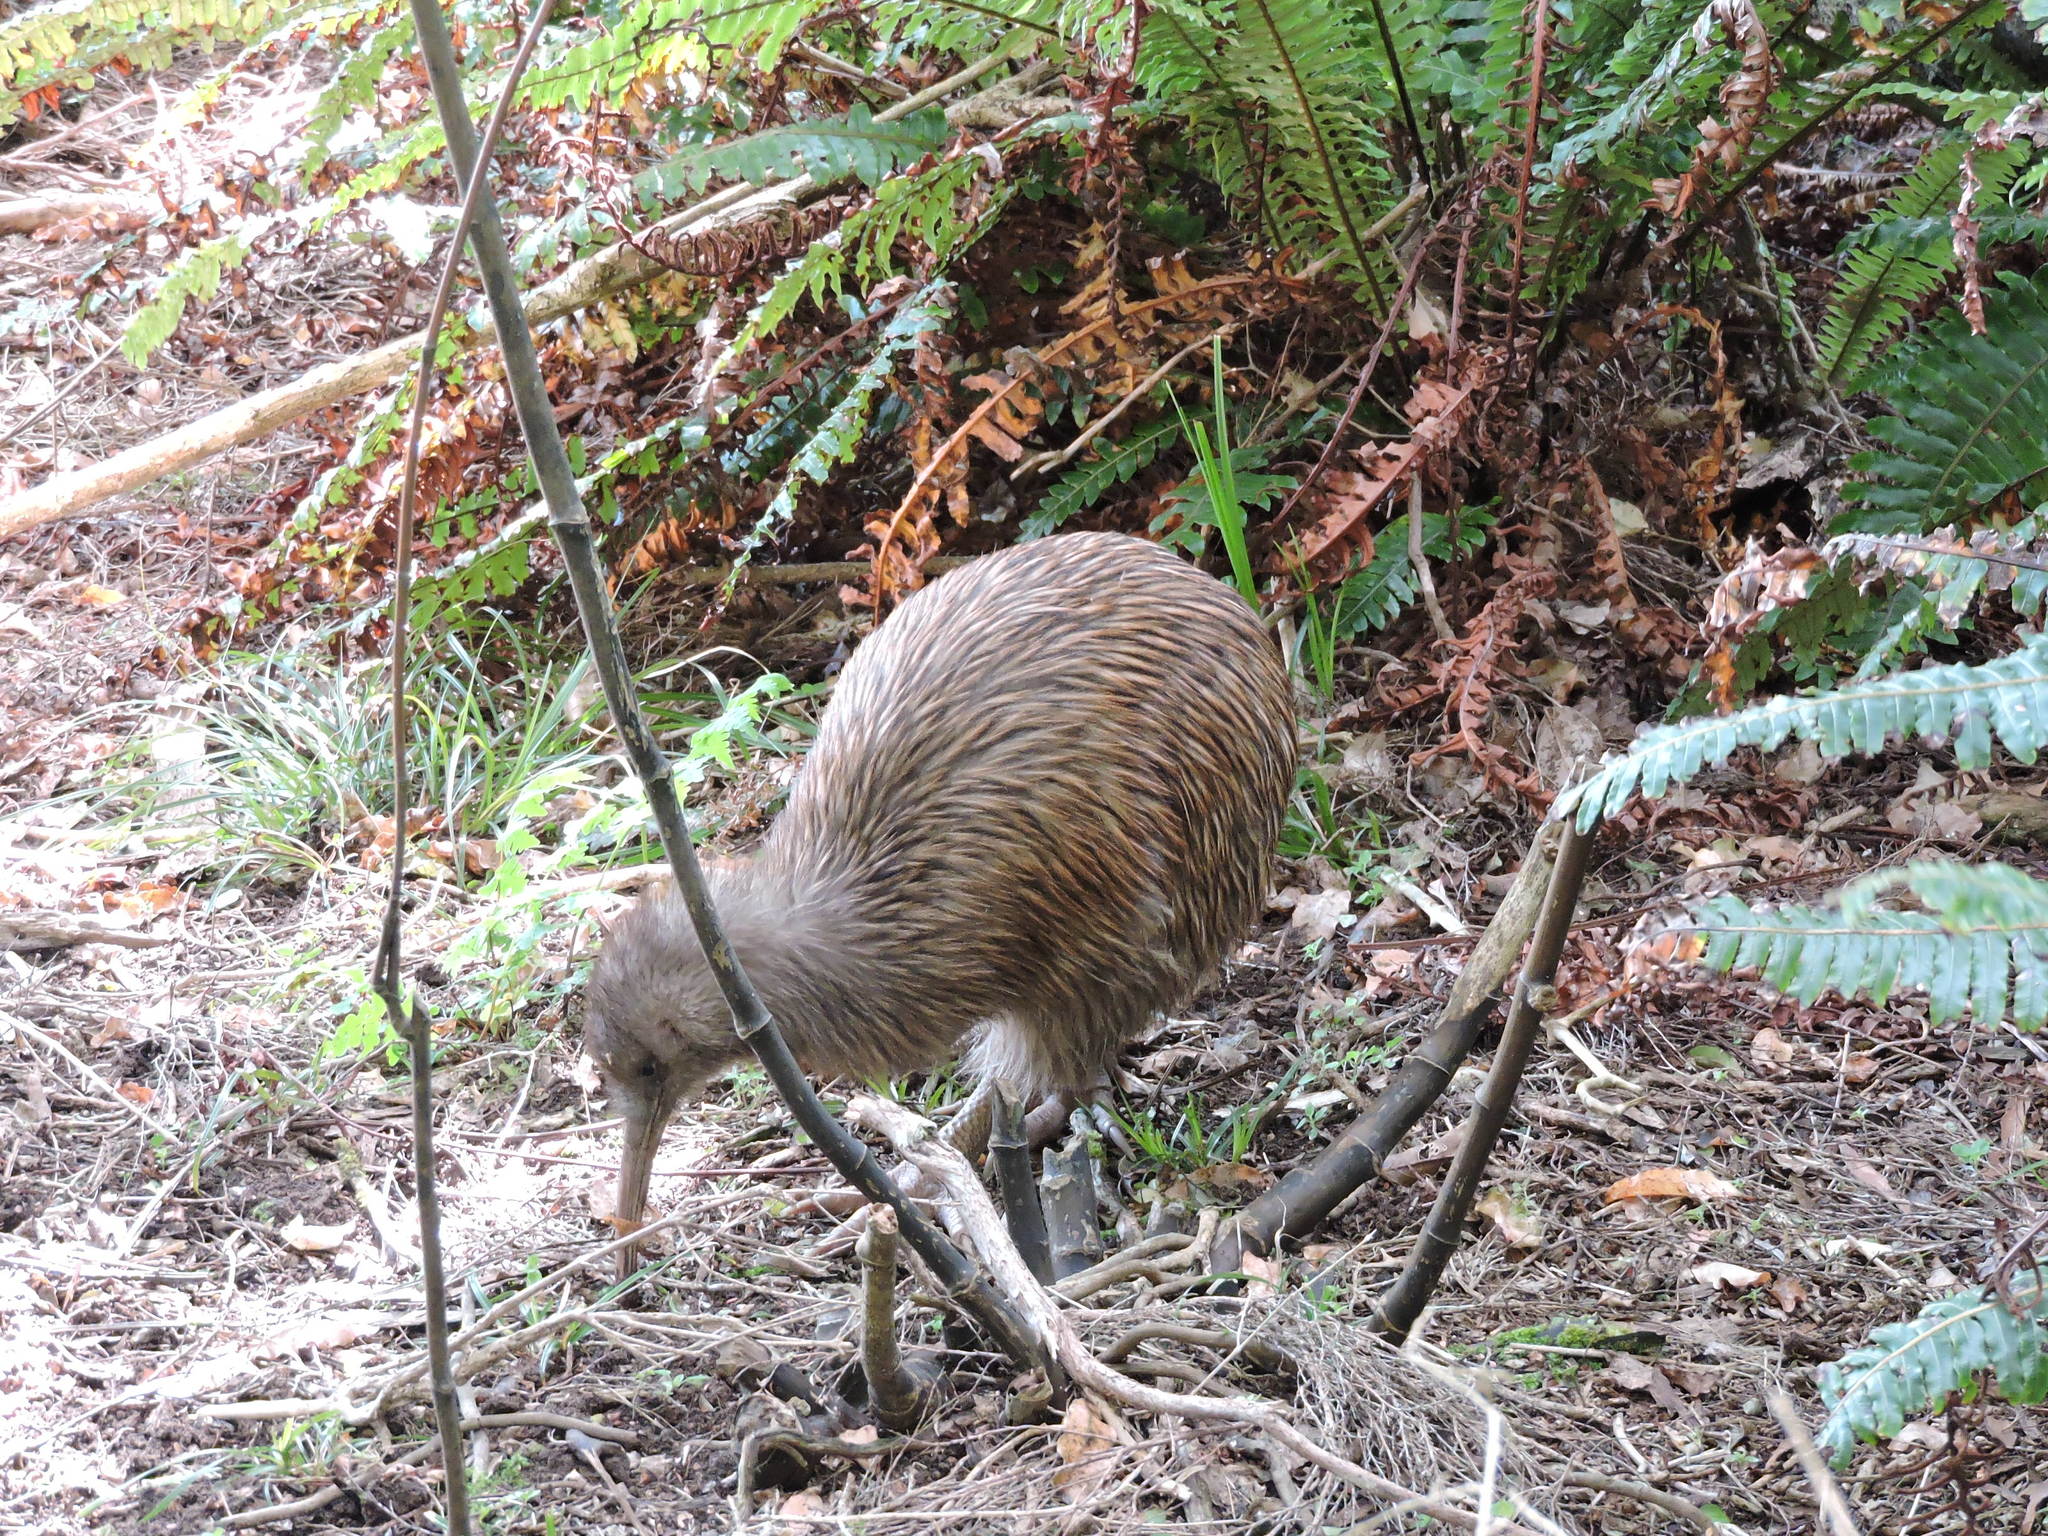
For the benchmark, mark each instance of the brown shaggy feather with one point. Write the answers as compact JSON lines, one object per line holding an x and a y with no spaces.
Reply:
{"x":1041,"y":805}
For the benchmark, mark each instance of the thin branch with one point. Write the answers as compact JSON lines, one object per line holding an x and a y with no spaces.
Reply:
{"x":570,"y":525}
{"x":1535,"y":999}
{"x":1834,"y":1509}
{"x":388,"y":977}
{"x":1300,"y":1201}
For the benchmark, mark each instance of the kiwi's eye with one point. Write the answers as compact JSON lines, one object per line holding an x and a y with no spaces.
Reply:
{"x":647,"y":1067}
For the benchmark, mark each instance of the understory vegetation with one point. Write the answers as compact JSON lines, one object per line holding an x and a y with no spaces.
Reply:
{"x":1633,"y":417}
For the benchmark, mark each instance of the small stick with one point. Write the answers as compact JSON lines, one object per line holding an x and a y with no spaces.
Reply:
{"x":1418,"y":557}
{"x":1827,"y":1493}
{"x":1535,"y":999}
{"x":1304,"y":1197}
{"x":900,"y":1398}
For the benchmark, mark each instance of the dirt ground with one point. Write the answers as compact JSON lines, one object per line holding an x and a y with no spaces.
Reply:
{"x":205,"y":1235}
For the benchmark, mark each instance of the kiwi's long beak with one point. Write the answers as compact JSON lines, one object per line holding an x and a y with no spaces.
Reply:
{"x":636,"y":1171}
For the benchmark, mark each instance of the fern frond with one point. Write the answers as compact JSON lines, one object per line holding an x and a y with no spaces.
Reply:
{"x":923,"y":207}
{"x":1968,"y":410}
{"x":855,"y":145}
{"x":1886,"y":272}
{"x":1980,"y":946}
{"x":1914,"y":1368}
{"x":1373,"y":598}
{"x":195,"y":275}
{"x":353,"y":88}
{"x":1949,"y":576}
{"x":1081,"y":486}
{"x":1300,"y":60}
{"x":66,"y":43}
{"x":1302,"y":71}
{"x":2005,"y":699}
{"x":838,"y":436}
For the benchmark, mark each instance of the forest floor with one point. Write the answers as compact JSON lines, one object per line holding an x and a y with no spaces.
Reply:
{"x":200,"y":1216}
{"x":206,"y":1229}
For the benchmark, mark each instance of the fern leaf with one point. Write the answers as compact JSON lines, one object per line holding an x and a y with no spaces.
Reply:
{"x":835,"y":440}
{"x":1968,"y":409}
{"x":855,"y":145}
{"x":1946,"y":577}
{"x":923,"y":207}
{"x":1085,"y":484}
{"x":1373,"y":598}
{"x":1980,"y":946}
{"x":1886,"y":271}
{"x":1302,"y":69}
{"x":353,"y":88}
{"x":195,"y":275}
{"x":2005,"y":699}
{"x":1913,"y":1368}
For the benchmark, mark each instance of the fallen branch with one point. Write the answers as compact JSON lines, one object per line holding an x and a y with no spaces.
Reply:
{"x":596,"y":277}
{"x":107,"y":213}
{"x":60,"y":930}
{"x":979,"y":1222}
{"x":1535,"y":1001}
{"x":1300,"y":1201}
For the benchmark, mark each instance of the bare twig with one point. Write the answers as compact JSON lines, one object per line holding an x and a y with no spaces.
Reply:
{"x":1006,"y":1267}
{"x":1534,"y":999}
{"x":1827,"y":1493}
{"x":388,"y":978}
{"x":1418,"y":557}
{"x":1302,"y":1199}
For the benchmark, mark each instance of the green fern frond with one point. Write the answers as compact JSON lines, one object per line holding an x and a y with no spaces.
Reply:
{"x":1373,"y":598}
{"x":66,"y":43}
{"x":2005,"y":699}
{"x":1914,"y":1368}
{"x":1083,"y":485}
{"x":924,"y":208}
{"x":1299,"y":59}
{"x":836,"y":438}
{"x":1301,"y":72}
{"x":1967,"y":416}
{"x":353,"y":88}
{"x":828,"y":149}
{"x":1948,"y":576}
{"x":195,"y":275}
{"x":1886,"y":272}
{"x":1980,"y":946}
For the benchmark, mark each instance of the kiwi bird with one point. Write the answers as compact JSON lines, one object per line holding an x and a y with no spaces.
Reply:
{"x":1041,"y":805}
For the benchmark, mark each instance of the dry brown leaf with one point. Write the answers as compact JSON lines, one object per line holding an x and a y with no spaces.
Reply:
{"x":137,"y":1093}
{"x":1723,"y":1276}
{"x":91,"y":596}
{"x":1518,"y":1226}
{"x":304,"y":1236}
{"x":1232,"y":1178}
{"x":1770,"y":1050}
{"x":1787,"y":1292}
{"x":1087,"y":1438}
{"x":1263,"y":1274}
{"x":1867,"y":1174}
{"x":1694,"y":1184}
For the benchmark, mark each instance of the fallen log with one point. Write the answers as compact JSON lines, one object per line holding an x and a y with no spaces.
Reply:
{"x":609,"y":271}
